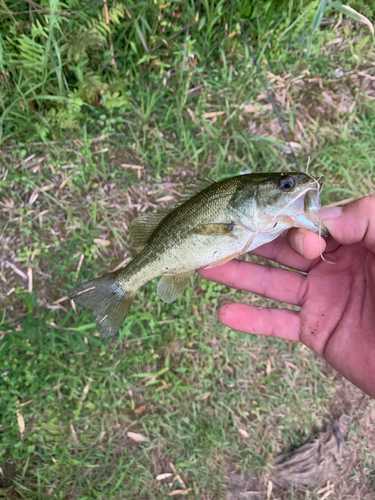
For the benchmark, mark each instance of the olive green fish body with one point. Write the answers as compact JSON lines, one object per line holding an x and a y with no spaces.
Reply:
{"x":212,"y":224}
{"x":177,"y":246}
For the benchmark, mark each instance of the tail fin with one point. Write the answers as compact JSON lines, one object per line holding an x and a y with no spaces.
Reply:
{"x":108,"y":302}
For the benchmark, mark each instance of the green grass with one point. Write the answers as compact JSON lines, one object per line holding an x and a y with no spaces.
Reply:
{"x":174,"y":375}
{"x":172,"y":367}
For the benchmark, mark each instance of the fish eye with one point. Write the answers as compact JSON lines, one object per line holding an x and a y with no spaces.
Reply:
{"x":286,"y":184}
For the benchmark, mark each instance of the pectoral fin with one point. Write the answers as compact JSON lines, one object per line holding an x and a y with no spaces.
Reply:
{"x":222,"y":261}
{"x":171,"y":287}
{"x":218,"y":229}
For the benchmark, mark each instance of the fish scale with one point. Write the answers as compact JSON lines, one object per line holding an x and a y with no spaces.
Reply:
{"x":213,"y":223}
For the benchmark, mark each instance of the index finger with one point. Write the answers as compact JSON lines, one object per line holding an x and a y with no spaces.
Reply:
{"x":269,"y":281}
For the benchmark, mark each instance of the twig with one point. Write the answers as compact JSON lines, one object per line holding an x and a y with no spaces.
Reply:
{"x":106,"y":11}
{"x":16,"y":270}
{"x":31,"y":14}
{"x":106,"y":14}
{"x":338,"y":203}
{"x":7,"y":10}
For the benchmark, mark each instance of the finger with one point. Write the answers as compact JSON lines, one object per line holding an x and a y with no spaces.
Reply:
{"x":353,"y":223}
{"x":272,"y":282}
{"x":280,"y":251}
{"x":280,"y":323}
{"x":308,"y":244}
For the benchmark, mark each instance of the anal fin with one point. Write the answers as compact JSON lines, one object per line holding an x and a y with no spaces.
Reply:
{"x":170,"y":287}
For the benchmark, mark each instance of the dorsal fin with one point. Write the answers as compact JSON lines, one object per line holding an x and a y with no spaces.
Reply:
{"x":142,"y":227}
{"x":194,"y":188}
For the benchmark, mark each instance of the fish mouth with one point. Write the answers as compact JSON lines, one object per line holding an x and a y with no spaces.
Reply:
{"x":312,"y":203}
{"x":312,"y":197}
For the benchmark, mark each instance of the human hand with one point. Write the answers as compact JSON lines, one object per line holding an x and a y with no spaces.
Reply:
{"x":337,"y":297}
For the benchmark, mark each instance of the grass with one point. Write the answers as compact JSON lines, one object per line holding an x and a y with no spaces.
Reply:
{"x":200,"y":399}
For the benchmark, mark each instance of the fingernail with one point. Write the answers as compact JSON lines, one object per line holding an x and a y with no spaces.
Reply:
{"x":330,"y":213}
{"x":297,"y":242}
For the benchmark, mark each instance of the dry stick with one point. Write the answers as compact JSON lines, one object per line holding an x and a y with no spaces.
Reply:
{"x":308,"y":164}
{"x":105,"y":5}
{"x":7,"y":11}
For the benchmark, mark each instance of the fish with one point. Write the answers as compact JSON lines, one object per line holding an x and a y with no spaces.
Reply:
{"x":211,"y":224}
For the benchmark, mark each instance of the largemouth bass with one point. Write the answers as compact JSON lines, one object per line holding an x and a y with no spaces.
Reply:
{"x":213,"y":223}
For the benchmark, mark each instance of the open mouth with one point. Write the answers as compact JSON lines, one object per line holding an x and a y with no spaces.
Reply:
{"x":312,"y":203}
{"x":312,"y":197}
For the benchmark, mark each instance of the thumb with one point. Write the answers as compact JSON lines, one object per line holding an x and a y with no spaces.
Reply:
{"x":353,"y":223}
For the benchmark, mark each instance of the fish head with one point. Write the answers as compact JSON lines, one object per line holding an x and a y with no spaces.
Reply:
{"x":290,"y":199}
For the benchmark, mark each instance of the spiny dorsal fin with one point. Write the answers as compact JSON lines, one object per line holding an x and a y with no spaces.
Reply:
{"x":194,"y":188}
{"x":142,"y":227}
{"x":170,"y":287}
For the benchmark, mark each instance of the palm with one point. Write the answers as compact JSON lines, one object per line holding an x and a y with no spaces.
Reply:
{"x":337,"y":299}
{"x":335,"y":320}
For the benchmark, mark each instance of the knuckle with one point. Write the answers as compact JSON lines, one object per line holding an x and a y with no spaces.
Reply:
{"x":267,"y":278}
{"x":236,"y":274}
{"x":367,"y":203}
